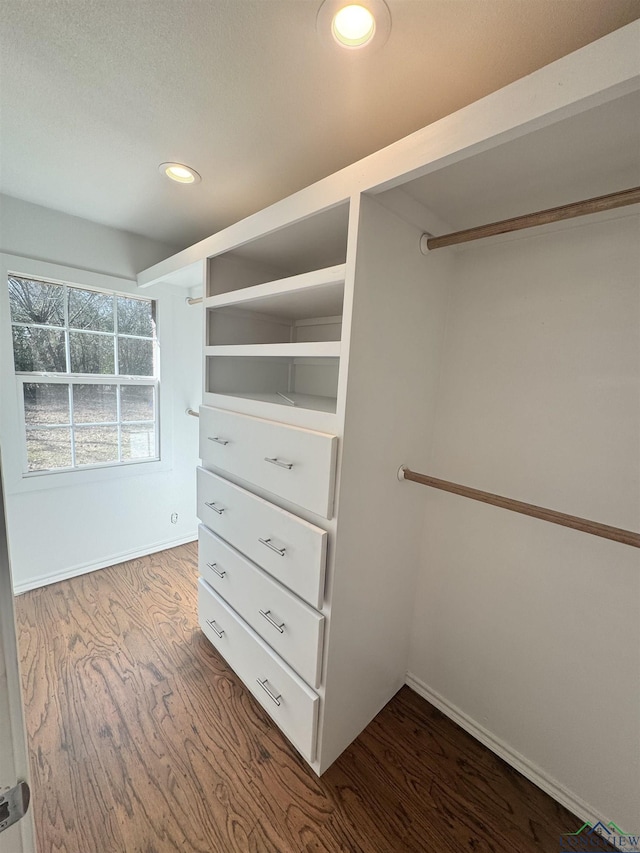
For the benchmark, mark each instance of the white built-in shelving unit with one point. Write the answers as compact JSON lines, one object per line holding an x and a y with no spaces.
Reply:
{"x":273,"y":316}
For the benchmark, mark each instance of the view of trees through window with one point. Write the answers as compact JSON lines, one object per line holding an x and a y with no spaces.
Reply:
{"x":85,"y":360}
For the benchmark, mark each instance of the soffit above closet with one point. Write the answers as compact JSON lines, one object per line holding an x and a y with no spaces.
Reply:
{"x":95,"y":95}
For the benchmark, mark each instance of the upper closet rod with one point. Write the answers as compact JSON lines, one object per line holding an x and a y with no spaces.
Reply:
{"x":542,"y":217}
{"x":617,"y":534}
{"x":194,"y":300}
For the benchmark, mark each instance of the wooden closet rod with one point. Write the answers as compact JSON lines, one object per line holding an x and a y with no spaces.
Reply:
{"x":541,"y":217}
{"x":627,"y":537}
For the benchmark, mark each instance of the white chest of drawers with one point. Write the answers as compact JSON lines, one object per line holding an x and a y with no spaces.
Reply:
{"x":307,"y":535}
{"x":262,"y":567}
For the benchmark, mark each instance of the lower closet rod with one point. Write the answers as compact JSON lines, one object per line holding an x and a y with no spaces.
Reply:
{"x":617,"y":534}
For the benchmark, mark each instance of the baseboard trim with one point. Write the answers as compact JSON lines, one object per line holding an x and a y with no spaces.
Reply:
{"x":531,"y":771}
{"x":85,"y":568}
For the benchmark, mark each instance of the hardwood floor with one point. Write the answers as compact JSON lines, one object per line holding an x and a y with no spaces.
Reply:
{"x":142,"y":740}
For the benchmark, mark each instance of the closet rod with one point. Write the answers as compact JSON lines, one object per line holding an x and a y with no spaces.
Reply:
{"x":194,"y":300}
{"x":192,"y":412}
{"x":541,"y":217}
{"x":617,"y":534}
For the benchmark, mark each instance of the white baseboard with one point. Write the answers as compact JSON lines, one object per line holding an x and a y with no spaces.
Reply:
{"x":531,"y":771}
{"x":85,"y":568}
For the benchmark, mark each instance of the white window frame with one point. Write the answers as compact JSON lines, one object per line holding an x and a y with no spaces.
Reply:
{"x":69,"y":379}
{"x":86,"y":379}
{"x":12,"y":416}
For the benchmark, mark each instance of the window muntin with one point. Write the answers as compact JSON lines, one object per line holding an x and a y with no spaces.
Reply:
{"x":86,"y":361}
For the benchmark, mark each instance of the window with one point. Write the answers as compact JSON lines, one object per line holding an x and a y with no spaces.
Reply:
{"x":86,"y":367}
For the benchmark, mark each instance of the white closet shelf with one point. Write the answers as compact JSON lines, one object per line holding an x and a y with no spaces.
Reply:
{"x":291,"y":399}
{"x":311,"y":294}
{"x":317,"y":349}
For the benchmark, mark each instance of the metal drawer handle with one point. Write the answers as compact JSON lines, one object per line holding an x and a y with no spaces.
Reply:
{"x":263,"y":684}
{"x":218,"y":440}
{"x":275,"y":461}
{"x":272,"y":621}
{"x":214,"y":568}
{"x":267,"y":542}
{"x":212,"y":505}
{"x":211,"y":623}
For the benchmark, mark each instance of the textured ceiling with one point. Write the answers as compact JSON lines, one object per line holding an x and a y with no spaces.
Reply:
{"x":94,"y":94}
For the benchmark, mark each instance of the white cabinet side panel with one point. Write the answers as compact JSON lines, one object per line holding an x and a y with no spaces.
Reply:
{"x":398,"y":317}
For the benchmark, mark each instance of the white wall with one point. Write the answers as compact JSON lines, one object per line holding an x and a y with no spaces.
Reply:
{"x":526,"y":632}
{"x":37,"y":232}
{"x":63,"y":524}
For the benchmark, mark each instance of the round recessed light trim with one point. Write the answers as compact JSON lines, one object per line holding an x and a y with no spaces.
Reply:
{"x":364,"y":25}
{"x":180,"y":173}
{"x":353,"y":26}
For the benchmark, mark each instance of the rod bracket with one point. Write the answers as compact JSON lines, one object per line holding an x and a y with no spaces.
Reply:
{"x":401,"y":471}
{"x":424,"y":243}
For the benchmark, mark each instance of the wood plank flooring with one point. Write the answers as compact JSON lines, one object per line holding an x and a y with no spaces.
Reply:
{"x":142,"y":740}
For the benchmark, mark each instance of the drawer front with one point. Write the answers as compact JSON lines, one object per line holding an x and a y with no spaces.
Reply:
{"x":302,"y":466}
{"x":283,"y":694}
{"x":285,"y":546}
{"x":291,"y":627}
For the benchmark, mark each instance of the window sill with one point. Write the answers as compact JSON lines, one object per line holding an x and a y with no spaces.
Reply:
{"x":37,"y":481}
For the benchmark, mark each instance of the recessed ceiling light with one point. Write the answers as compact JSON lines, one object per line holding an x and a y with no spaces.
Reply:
{"x":355,"y":26}
{"x":180,"y":173}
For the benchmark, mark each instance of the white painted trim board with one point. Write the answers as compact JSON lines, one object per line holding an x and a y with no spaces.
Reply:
{"x":583,"y":810}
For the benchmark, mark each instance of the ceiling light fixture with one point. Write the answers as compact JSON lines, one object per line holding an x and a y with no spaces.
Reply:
{"x":354,"y":26}
{"x":180,"y":173}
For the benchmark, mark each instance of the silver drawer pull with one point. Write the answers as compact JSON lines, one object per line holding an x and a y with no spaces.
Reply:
{"x":214,"y":568}
{"x":263,"y":684}
{"x":275,"y":461}
{"x":272,"y":621}
{"x":211,"y":623}
{"x":212,"y":505}
{"x":218,"y":440}
{"x":269,"y":544}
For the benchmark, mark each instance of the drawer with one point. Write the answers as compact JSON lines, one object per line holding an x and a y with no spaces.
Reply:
{"x":288,"y":548}
{"x":291,"y":627}
{"x":283,"y":694}
{"x":297,"y":464}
